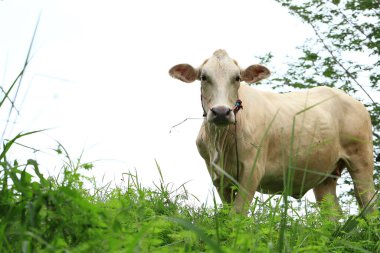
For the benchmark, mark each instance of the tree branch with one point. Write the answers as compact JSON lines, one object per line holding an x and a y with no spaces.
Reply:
{"x":357,"y":27}
{"x":340,"y":64}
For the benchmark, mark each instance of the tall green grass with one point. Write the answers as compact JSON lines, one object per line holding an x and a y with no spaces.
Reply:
{"x":57,"y":214}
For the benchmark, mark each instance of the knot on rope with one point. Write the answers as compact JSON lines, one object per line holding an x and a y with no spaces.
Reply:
{"x":238,"y":106}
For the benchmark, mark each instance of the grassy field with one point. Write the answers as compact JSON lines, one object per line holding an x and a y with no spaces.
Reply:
{"x":46,"y":214}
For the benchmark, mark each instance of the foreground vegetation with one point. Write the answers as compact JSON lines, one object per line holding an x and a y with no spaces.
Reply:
{"x":57,"y":214}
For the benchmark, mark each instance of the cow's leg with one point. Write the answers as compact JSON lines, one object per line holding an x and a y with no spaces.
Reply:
{"x":223,"y":186}
{"x":227,"y":194}
{"x":249,"y":182}
{"x":243,"y":201}
{"x":360,"y":167}
{"x":325,"y":189}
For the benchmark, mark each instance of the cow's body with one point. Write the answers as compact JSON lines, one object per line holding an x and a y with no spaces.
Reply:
{"x":315,"y":133}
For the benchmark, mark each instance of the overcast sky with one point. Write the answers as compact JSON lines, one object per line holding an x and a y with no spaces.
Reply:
{"x":98,"y":78}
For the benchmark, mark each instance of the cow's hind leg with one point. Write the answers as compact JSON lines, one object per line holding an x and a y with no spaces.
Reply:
{"x":360,"y":167}
{"x":326,"y":190}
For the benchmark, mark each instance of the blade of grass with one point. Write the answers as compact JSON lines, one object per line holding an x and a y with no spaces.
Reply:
{"x":216,"y":217}
{"x":6,"y":93}
{"x":20,"y":77}
{"x":9,"y":144}
{"x":159,"y":170}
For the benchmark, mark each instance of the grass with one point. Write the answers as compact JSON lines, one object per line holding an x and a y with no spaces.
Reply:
{"x":47,"y":214}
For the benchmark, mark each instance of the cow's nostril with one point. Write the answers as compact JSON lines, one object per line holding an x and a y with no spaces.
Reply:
{"x":213,"y":111}
{"x":228,"y":111}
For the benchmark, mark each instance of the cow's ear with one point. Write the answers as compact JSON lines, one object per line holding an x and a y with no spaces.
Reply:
{"x":254,"y":73}
{"x":184,"y":72}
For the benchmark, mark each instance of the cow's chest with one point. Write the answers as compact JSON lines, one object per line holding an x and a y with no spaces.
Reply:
{"x":221,"y":153}
{"x":222,"y":161}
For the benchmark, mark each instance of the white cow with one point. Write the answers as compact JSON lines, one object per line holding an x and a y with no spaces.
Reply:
{"x":310,"y":135}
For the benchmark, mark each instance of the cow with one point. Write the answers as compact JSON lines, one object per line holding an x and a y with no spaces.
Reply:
{"x":254,"y":140}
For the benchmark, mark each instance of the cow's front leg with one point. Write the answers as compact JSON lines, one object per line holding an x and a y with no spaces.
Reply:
{"x":249,"y":181}
{"x":228,"y":194}
{"x":226,"y":190}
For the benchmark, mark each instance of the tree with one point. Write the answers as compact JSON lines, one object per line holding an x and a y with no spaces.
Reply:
{"x":344,"y":53}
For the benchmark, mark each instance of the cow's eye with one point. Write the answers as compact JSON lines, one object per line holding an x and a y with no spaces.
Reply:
{"x":237,"y":78}
{"x":203,"y":77}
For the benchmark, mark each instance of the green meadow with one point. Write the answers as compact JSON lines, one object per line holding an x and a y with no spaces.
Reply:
{"x":59,"y":214}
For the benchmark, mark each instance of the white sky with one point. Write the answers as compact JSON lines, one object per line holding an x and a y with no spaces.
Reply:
{"x":99,"y":77}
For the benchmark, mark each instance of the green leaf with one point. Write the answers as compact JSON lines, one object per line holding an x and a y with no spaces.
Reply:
{"x":329,"y":72}
{"x":336,"y":2}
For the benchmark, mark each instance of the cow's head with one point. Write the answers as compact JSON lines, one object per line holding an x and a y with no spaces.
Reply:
{"x":220,"y":78}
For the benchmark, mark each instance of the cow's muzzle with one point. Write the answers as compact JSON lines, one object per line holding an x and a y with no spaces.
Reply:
{"x":221,"y":115}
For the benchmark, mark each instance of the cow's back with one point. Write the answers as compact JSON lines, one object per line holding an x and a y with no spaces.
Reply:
{"x":309,"y":131}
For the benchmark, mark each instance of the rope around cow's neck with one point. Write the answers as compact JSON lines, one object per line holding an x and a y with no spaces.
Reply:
{"x":237,"y":107}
